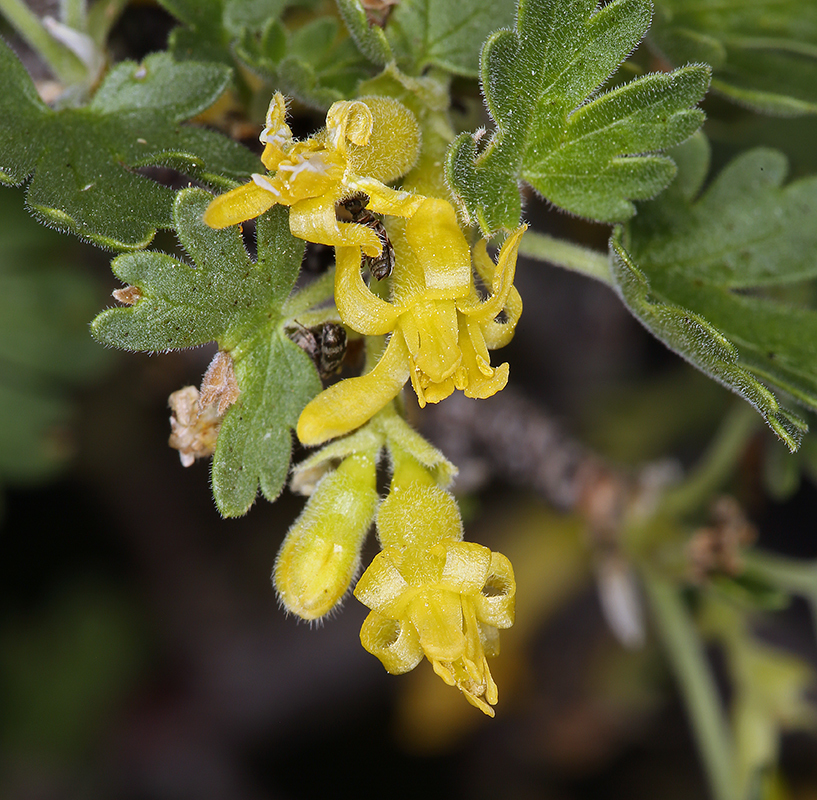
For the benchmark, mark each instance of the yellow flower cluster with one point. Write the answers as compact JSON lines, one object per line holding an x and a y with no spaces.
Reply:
{"x":441,"y":331}
{"x":430,"y":593}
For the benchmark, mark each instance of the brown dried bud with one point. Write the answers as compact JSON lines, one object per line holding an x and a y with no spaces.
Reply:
{"x":378,"y":11}
{"x":197,"y":415}
{"x":127,"y":296}
{"x":716,"y":549}
{"x":219,"y":385}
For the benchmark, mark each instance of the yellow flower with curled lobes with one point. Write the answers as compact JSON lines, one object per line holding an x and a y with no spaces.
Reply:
{"x":432,"y":594}
{"x":441,"y":330}
{"x":366,"y":144}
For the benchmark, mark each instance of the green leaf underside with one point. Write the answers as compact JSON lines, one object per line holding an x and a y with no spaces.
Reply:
{"x":84,"y":160}
{"x":444,"y":33}
{"x":589,"y":157}
{"x":763,"y":52}
{"x":691,"y":268}
{"x":229,"y":299}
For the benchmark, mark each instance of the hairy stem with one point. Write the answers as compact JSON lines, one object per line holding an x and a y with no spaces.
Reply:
{"x":313,"y":294}
{"x":717,"y":463}
{"x":566,"y":255}
{"x":688,"y":659}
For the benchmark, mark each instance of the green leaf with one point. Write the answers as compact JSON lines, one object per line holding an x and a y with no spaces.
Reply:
{"x":84,"y":160}
{"x":590,"y":157}
{"x":210,"y":27}
{"x":444,"y":33}
{"x":227,"y":298}
{"x":311,"y":62}
{"x":763,"y":53}
{"x":691,"y":268}
{"x":314,"y":63}
{"x":370,"y":39}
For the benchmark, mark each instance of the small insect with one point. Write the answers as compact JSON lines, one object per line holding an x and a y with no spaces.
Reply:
{"x":353,"y":209}
{"x":325,"y":344}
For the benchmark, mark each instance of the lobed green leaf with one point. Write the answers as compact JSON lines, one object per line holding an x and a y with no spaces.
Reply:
{"x":443,"y":33}
{"x":591,"y":157}
{"x":690,"y":266}
{"x":763,"y":52}
{"x":226,"y":297}
{"x":315,"y":63}
{"x":84,"y":160}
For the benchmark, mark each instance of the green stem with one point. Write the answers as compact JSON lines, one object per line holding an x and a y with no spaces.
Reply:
{"x":74,"y":14}
{"x":102,"y":16}
{"x":686,"y":654}
{"x":566,"y":255}
{"x":717,"y":462}
{"x":791,"y":575}
{"x":65,"y":66}
{"x":319,"y":291}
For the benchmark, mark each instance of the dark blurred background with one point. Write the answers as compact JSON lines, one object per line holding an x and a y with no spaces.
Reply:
{"x":142,"y":652}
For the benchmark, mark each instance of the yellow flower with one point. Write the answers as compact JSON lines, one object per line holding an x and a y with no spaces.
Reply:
{"x":365,"y":144}
{"x":321,"y":552}
{"x":441,"y":329}
{"x":433,"y":595}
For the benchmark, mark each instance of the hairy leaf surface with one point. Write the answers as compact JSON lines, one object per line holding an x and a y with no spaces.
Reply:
{"x":692,"y":267}
{"x":763,"y":52}
{"x":590,"y":154}
{"x":84,"y":160}
{"x":226,"y":297}
{"x":444,"y":33}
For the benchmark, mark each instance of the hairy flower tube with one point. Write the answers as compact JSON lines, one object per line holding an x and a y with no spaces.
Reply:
{"x":441,"y":330}
{"x":366,"y":143}
{"x":321,"y":552}
{"x":432,"y":594}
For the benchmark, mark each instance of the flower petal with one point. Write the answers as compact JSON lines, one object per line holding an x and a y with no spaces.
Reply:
{"x":495,"y":604}
{"x":437,"y":616}
{"x":239,"y":205}
{"x":385,"y":200}
{"x":498,"y":334}
{"x":431,"y":333}
{"x":466,"y":567}
{"x":437,"y":241}
{"x":381,"y":584}
{"x":500,"y":276}
{"x":314,"y":219}
{"x":361,"y":310}
{"x":347,"y":405}
{"x":349,"y":120}
{"x":276,"y":135}
{"x":394,"y":642}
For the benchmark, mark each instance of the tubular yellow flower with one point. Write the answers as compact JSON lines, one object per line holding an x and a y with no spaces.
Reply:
{"x":433,"y":595}
{"x":441,"y":329}
{"x":321,"y":552}
{"x":365,"y":144}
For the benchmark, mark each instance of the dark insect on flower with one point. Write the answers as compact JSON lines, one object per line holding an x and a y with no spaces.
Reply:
{"x":325,"y":344}
{"x":353,"y":209}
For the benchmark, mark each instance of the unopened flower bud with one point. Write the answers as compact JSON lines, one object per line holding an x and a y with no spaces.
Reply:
{"x":321,"y":552}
